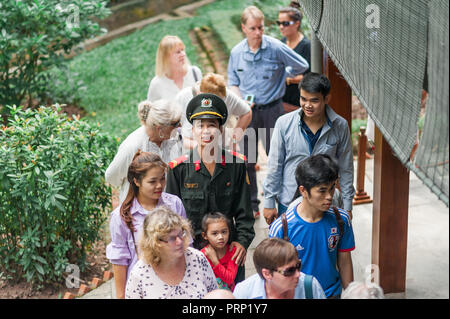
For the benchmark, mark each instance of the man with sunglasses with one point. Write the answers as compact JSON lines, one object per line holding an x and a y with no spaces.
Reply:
{"x":257,"y":69}
{"x":278,"y":274}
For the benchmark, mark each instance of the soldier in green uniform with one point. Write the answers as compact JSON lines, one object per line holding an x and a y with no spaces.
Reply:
{"x":211,"y":179}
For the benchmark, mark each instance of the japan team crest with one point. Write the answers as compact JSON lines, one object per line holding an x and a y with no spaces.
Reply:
{"x":333,"y":241}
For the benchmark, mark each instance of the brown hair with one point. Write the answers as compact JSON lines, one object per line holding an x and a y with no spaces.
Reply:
{"x":214,"y":83}
{"x":142,"y":162}
{"x":272,"y":253}
{"x":294,"y":13}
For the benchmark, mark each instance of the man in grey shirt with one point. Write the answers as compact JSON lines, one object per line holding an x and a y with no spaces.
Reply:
{"x":314,"y":129}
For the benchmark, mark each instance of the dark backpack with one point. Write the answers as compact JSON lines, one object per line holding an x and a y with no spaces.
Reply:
{"x":307,"y":284}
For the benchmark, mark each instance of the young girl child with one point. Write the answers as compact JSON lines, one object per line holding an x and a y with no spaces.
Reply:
{"x":216,"y":232}
{"x":147,"y":177}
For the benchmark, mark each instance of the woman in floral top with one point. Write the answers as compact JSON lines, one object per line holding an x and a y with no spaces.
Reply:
{"x":168,"y":268}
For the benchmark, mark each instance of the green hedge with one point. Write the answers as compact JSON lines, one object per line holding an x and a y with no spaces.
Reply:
{"x":53,"y":194}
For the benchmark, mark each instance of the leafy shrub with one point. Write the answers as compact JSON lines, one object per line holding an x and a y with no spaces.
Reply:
{"x":34,"y":36}
{"x":52,"y":192}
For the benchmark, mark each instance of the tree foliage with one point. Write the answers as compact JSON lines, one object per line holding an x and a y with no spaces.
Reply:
{"x":34,"y":35}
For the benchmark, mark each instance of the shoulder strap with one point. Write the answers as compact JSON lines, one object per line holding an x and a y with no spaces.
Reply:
{"x":308,"y":286}
{"x":285,"y":227}
{"x":340,"y":221}
{"x":239,"y":155}
{"x":195,"y":75}
{"x":174,"y":163}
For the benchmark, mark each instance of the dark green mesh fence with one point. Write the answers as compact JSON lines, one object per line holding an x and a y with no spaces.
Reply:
{"x":431,"y":161}
{"x":382,"y":49}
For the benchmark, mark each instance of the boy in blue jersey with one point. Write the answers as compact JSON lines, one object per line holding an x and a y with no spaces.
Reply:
{"x":322,"y":235}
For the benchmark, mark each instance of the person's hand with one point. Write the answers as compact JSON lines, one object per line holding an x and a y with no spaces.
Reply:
{"x":270,"y":214}
{"x":239,"y":254}
{"x":211,"y":254}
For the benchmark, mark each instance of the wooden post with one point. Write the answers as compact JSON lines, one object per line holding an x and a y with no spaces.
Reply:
{"x":390,"y":217}
{"x":341,"y":93}
{"x":361,"y":197}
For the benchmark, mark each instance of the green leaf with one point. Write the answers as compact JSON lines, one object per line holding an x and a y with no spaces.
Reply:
{"x":42,"y":260}
{"x":60,"y":197}
{"x":39,"y":268}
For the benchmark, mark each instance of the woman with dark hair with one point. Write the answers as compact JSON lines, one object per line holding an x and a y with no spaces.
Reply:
{"x":147,"y":177}
{"x":289,"y":21}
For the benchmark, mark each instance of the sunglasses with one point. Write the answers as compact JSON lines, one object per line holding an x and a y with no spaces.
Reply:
{"x":173,"y":239}
{"x":288,"y":272}
{"x":285,"y":23}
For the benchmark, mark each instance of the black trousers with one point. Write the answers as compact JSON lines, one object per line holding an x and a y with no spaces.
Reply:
{"x":263,"y":122}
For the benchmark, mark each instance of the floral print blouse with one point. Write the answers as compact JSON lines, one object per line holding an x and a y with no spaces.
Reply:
{"x":198,"y":280}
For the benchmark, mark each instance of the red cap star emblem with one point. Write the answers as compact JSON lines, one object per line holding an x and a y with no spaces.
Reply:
{"x":206,"y":102}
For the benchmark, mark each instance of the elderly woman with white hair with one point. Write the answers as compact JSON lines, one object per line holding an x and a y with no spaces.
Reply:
{"x":168,"y":268}
{"x":157,"y":134}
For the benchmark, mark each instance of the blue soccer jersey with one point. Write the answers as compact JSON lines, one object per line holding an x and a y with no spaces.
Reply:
{"x":317,"y":245}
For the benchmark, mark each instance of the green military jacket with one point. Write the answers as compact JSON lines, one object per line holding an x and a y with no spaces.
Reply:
{"x":227,"y":191}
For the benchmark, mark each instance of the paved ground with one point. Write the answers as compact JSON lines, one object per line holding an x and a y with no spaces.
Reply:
{"x":428,"y":242}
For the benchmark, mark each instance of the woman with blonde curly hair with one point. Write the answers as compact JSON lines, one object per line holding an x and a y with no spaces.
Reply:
{"x":168,"y":267}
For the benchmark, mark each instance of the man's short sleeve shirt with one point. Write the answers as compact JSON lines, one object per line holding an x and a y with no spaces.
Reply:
{"x":318,"y":244}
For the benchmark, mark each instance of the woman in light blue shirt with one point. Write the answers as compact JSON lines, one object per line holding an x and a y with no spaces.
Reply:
{"x":279,"y":275}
